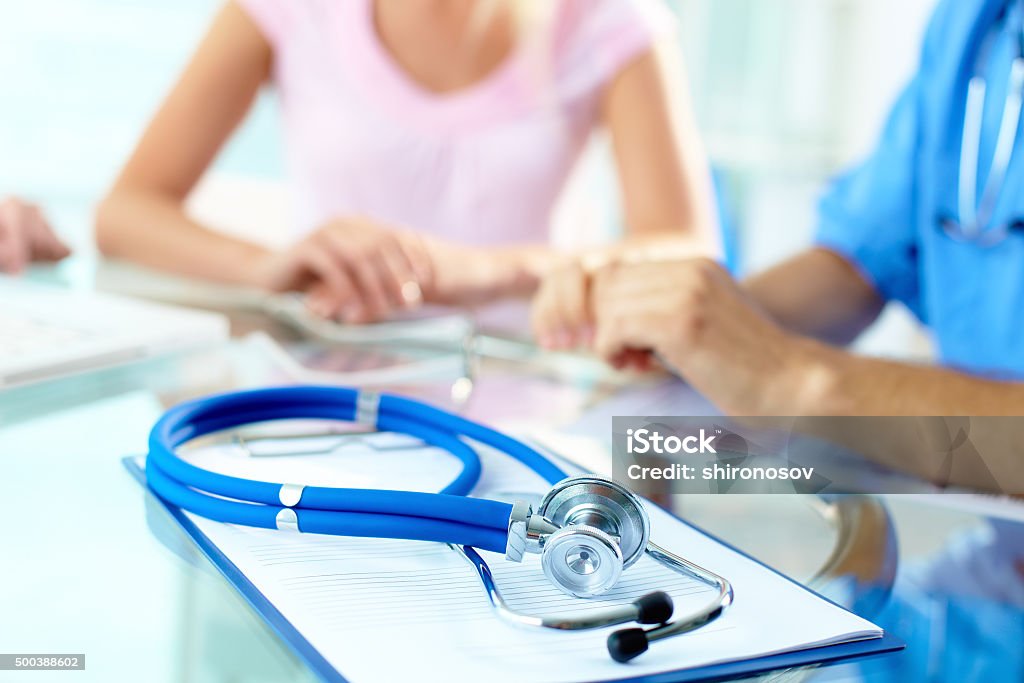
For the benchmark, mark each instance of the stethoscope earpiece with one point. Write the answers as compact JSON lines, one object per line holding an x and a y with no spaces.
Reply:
{"x":627,"y":643}
{"x":654,"y":608}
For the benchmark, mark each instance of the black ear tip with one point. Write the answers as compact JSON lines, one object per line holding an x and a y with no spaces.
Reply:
{"x":626,"y":644}
{"x":654,"y":608}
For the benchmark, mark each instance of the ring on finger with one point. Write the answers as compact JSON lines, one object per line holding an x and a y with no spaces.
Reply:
{"x":411,"y":292}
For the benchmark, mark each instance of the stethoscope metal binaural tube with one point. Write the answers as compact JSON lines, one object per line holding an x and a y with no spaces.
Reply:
{"x":629,"y":643}
{"x":654,"y":608}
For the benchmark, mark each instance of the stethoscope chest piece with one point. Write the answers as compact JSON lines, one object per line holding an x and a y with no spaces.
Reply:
{"x":582,"y":561}
{"x":603,"y":529}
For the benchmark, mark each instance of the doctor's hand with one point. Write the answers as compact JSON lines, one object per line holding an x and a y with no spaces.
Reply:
{"x":25,"y":236}
{"x":562,"y":315}
{"x":696,"y":319}
{"x":352,"y":269}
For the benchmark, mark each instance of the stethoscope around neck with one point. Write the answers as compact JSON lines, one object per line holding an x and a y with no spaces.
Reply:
{"x":974,"y":222}
{"x":588,"y":530}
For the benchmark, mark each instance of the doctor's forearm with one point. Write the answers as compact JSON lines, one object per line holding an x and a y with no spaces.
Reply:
{"x":154,"y":231}
{"x":858,"y":385}
{"x":836,"y":309}
{"x":934,"y":400}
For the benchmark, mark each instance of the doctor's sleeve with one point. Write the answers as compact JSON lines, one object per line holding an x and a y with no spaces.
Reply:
{"x":868,"y":215}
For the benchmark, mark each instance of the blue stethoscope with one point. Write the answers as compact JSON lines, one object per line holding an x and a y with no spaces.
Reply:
{"x":975,"y":216}
{"x":587,"y":529}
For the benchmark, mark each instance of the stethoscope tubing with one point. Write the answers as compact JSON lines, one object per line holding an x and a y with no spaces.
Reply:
{"x":446,"y":517}
{"x":972,"y":224}
{"x":451,"y":517}
{"x":353,"y":524}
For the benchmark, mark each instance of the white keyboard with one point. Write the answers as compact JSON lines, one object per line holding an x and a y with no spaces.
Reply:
{"x":47,"y":331}
{"x":24,"y":335}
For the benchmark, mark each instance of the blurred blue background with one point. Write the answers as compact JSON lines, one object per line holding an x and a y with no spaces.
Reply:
{"x":80,"y":78}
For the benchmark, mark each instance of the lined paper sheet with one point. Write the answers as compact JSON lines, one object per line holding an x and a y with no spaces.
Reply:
{"x":383,"y":610}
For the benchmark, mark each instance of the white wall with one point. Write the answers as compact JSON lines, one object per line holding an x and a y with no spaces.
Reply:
{"x":789,"y":92}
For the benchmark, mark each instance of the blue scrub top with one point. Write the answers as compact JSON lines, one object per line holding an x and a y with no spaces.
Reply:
{"x":884,"y":215}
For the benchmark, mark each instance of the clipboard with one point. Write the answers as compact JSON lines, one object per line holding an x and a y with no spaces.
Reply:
{"x":304,"y":650}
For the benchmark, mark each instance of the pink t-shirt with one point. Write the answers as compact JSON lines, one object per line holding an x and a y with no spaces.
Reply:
{"x":482,"y":165}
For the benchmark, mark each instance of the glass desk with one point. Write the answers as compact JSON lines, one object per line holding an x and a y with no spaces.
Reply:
{"x":90,"y":564}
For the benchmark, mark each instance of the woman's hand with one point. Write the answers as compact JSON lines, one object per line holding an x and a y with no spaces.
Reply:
{"x":560,"y":316}
{"x":25,"y":236}
{"x":353,"y":269}
{"x":462,"y":275}
{"x":360,"y":272}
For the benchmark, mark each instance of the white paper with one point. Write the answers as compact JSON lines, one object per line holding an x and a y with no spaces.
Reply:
{"x":383,"y":610}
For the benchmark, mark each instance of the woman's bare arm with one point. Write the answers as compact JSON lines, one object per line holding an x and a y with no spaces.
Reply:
{"x":667,"y":193}
{"x":143,"y":216}
{"x":660,"y":158}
